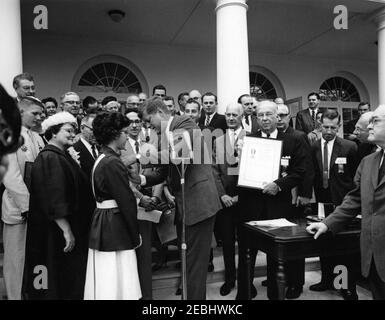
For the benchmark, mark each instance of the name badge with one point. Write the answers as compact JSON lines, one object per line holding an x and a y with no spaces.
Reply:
{"x":284,"y":162}
{"x":341,"y":160}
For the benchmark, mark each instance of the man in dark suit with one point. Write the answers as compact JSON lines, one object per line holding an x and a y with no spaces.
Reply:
{"x":301,"y":196}
{"x":367,"y":199}
{"x":86,"y":145}
{"x":361,"y":132}
{"x":225,"y":170}
{"x":350,"y":126}
{"x":216,"y":123}
{"x":306,"y":119}
{"x":275,"y":200}
{"x":210,"y":118}
{"x":199,"y":184}
{"x":335,"y":163}
{"x":249,"y":120}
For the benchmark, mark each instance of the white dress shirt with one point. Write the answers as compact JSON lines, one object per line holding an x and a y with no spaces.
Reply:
{"x":273,"y":135}
{"x":246,"y":126}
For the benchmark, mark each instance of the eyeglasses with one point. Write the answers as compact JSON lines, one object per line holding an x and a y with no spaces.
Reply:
{"x":209,"y":102}
{"x":72,"y":102}
{"x":134,"y":103}
{"x":248,"y":104}
{"x":84,"y":125}
{"x":137,"y":122}
{"x":282,"y":115}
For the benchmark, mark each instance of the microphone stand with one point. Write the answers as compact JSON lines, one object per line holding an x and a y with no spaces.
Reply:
{"x":183,"y":236}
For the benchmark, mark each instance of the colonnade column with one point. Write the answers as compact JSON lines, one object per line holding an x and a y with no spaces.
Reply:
{"x":232,"y":51}
{"x":11,"y":62}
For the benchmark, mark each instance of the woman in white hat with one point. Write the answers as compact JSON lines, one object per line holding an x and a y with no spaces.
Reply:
{"x":56,"y":250}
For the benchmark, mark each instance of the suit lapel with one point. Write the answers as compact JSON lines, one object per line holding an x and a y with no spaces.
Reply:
{"x":335,"y":152}
{"x":319,"y":156}
{"x":375,"y":167}
{"x":86,"y":153}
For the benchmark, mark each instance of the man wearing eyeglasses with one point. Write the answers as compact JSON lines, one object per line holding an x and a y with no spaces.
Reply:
{"x":249,"y":121}
{"x":86,"y":145}
{"x":70,"y":102}
{"x":335,"y":163}
{"x":274,"y":201}
{"x":133,"y":102}
{"x":367,"y":198}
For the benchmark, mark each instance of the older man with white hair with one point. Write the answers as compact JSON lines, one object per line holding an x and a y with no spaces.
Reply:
{"x":274,"y":201}
{"x":367,"y":199}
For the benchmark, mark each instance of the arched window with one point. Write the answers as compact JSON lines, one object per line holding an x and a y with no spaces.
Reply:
{"x":109,"y":75}
{"x":339,"y":89}
{"x":261,"y":87}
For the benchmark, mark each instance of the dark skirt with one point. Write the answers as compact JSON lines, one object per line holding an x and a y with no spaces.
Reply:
{"x":109,"y":231}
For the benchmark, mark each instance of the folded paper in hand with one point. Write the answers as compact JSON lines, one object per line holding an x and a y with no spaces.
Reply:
{"x":153,"y":215}
{"x":274,"y":223}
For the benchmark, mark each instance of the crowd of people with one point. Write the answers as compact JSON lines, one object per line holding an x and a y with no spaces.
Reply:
{"x":78,"y":193}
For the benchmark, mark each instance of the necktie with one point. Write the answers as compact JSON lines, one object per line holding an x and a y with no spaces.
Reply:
{"x":268,"y":135}
{"x":93,"y":149}
{"x":207,"y":121}
{"x":381,"y":170}
{"x":136,"y":147}
{"x":247,"y":120}
{"x":147,"y":135}
{"x":313,"y":115}
{"x":325,"y":178}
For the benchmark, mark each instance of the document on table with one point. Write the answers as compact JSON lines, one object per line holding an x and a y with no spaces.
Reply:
{"x":260,"y":162}
{"x":274,"y":223}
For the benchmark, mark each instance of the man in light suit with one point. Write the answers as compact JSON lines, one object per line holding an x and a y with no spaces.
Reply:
{"x":15,"y":205}
{"x":275,"y":200}
{"x":335,"y":163}
{"x":367,"y":199}
{"x":225,"y":170}
{"x":306,"y":119}
{"x":199,"y":184}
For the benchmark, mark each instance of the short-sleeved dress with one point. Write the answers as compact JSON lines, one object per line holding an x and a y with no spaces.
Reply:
{"x":112,"y":272}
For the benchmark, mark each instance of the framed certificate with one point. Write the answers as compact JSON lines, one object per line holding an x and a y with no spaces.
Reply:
{"x":260,"y":162}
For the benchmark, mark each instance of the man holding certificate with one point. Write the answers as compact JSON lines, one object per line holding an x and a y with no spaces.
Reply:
{"x":267,"y":199}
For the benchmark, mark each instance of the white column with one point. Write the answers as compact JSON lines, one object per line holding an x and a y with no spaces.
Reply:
{"x":11,"y":62}
{"x":379,"y":18}
{"x":232,"y":52}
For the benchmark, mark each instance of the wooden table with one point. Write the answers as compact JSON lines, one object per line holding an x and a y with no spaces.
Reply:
{"x":290,"y":243}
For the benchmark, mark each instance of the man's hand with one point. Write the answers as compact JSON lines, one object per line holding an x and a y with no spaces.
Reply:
{"x":227,"y":200}
{"x":302,"y":201}
{"x":271,"y":189}
{"x":312,"y":136}
{"x":147,"y":203}
{"x":69,"y":239}
{"x":169,"y":197}
{"x":317,"y":229}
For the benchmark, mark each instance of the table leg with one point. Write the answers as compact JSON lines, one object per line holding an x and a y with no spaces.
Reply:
{"x":281,"y":280}
{"x":248,"y":270}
